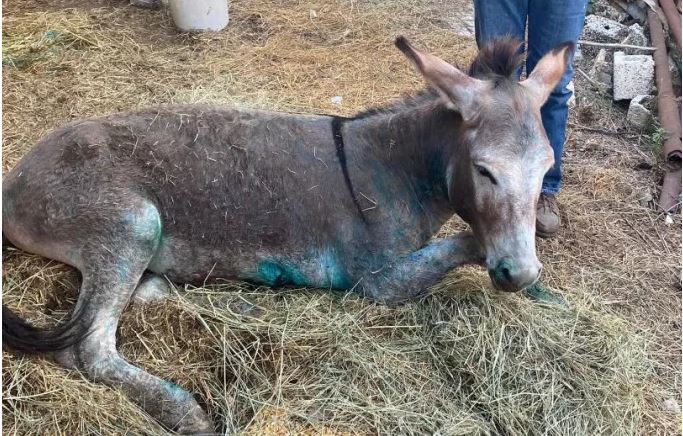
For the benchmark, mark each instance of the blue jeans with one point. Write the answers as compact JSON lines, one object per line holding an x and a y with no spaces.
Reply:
{"x":551,"y":22}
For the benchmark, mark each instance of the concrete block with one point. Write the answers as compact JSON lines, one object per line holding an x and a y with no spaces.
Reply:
{"x":633,"y":75}
{"x":636,"y":36}
{"x":603,"y":29}
{"x":638,"y":114}
{"x":606,"y":8}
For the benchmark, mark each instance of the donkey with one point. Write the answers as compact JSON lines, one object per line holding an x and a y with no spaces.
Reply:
{"x":197,"y":193}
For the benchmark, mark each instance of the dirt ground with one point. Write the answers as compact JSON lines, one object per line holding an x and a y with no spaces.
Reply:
{"x":615,"y":251}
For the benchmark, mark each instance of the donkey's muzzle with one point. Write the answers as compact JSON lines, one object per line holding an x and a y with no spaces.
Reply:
{"x":512,"y":276}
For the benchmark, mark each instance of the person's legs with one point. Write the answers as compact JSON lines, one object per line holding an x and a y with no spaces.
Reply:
{"x":499,"y":18}
{"x":552,"y":22}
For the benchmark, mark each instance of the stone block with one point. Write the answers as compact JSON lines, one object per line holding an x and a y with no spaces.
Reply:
{"x":601,"y":71}
{"x":601,"y":29}
{"x":633,"y":75}
{"x":638,"y":114}
{"x":636,"y":36}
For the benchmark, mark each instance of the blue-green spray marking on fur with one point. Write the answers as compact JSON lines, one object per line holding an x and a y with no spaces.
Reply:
{"x":145,"y":223}
{"x":275,"y":273}
{"x":539,"y":292}
{"x":175,"y":390}
{"x":325,"y":271}
{"x":334,"y":275}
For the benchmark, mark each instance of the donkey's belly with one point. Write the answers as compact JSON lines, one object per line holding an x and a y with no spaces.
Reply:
{"x":186,"y":262}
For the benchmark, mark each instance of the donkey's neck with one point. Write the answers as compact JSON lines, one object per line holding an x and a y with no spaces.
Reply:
{"x":414,"y":144}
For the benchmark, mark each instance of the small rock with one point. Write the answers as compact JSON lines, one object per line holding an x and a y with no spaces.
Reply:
{"x":572,"y":99}
{"x":636,"y":36}
{"x":670,"y":405}
{"x":337,"y":99}
{"x":606,"y":9}
{"x":638,"y":114}
{"x":668,"y":221}
{"x":633,"y":75}
{"x":312,"y":14}
{"x":601,"y":72}
{"x":636,"y":33}
{"x":603,"y":29}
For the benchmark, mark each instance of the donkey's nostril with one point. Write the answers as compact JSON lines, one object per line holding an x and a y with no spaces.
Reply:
{"x":505,"y":271}
{"x":502,"y":274}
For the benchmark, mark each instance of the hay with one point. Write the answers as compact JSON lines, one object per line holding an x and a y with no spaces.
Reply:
{"x":269,"y":56}
{"x":463,"y":361}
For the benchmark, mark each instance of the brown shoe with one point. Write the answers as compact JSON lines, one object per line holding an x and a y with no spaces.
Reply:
{"x":547,"y":216}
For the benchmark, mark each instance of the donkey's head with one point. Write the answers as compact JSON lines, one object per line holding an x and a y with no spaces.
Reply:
{"x":497,"y":164}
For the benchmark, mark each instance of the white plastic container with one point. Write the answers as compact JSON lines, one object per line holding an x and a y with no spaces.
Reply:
{"x":199,"y":15}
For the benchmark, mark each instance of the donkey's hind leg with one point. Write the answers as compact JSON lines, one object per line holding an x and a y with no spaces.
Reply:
{"x":115,"y":263}
{"x":97,"y":356}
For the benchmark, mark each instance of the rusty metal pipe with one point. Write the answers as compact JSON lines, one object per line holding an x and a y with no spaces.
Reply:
{"x":673,"y":17}
{"x":669,"y":117}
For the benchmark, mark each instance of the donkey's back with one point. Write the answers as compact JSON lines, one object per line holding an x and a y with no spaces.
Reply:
{"x":217,"y":178}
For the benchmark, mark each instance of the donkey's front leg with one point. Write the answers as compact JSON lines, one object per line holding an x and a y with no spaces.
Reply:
{"x":409,"y":276}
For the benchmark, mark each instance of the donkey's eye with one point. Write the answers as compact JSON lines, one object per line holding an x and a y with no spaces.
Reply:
{"x":486,"y":173}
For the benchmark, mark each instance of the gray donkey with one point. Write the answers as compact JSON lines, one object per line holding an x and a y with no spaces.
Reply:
{"x":196,"y":193}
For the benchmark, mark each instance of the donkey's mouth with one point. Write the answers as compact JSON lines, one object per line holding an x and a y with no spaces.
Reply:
{"x":503,"y":286}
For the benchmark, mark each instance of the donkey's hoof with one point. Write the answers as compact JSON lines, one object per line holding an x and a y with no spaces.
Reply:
{"x":195,"y":422}
{"x":152,"y":288}
{"x":66,"y":358}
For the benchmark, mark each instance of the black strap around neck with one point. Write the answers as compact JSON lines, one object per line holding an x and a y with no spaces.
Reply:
{"x":337,"y":123}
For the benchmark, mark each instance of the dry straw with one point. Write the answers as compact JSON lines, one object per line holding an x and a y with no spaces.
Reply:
{"x":463,"y":361}
{"x":466,"y":360}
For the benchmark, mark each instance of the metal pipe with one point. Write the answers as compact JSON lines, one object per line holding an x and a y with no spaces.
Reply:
{"x":674,"y":19}
{"x":669,"y":118}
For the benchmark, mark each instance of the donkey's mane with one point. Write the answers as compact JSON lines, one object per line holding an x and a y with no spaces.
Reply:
{"x":415,"y":100}
{"x":498,"y":61}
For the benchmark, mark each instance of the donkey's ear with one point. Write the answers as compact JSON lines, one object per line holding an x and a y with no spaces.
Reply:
{"x":548,"y":72}
{"x":460,"y":90}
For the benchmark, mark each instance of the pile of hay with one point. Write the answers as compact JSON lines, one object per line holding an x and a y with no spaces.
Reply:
{"x":466,"y":360}
{"x":463,"y":361}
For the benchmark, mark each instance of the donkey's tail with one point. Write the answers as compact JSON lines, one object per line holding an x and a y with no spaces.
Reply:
{"x":17,"y":334}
